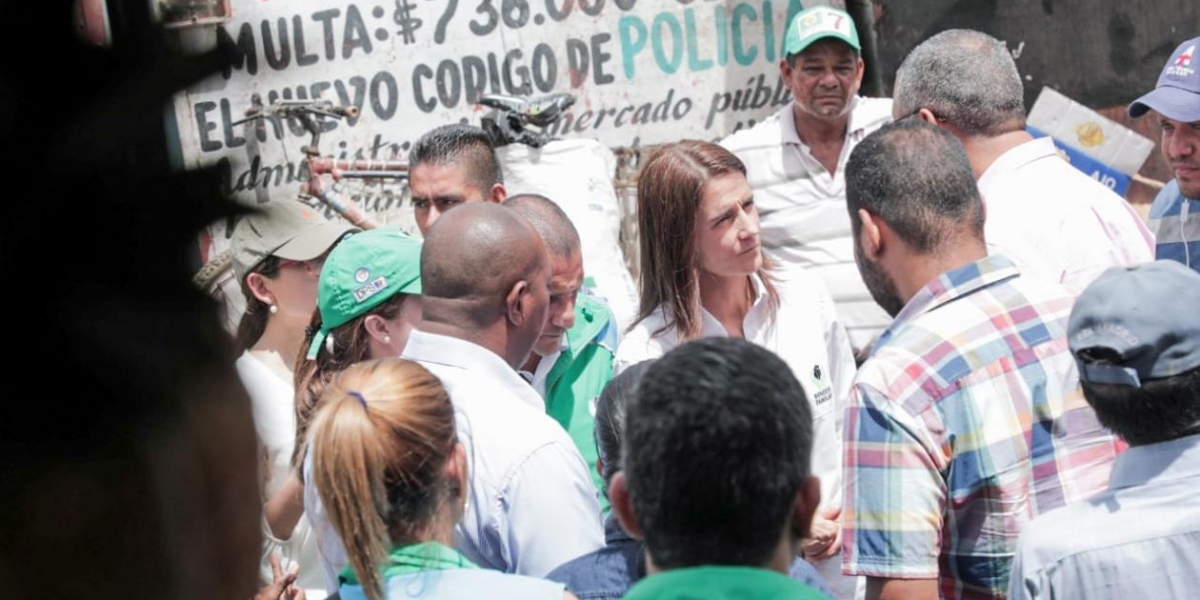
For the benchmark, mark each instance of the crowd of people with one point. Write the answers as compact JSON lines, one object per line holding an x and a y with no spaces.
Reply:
{"x":885,"y":348}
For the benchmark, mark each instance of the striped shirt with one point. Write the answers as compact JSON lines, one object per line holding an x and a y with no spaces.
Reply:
{"x":1175,"y":221}
{"x":966,"y":423}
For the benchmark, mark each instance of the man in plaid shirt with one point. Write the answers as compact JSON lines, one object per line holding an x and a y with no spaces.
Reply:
{"x":966,"y":422}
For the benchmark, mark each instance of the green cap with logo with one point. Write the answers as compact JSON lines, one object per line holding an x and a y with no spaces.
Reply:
{"x":285,"y":228}
{"x":361,"y":273}
{"x":817,"y":23}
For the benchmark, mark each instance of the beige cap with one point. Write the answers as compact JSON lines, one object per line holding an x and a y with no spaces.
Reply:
{"x":288,"y":229}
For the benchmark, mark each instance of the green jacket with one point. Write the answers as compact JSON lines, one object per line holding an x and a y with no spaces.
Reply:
{"x":579,"y":375}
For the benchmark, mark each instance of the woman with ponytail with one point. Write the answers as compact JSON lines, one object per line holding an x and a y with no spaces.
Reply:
{"x":392,"y":476}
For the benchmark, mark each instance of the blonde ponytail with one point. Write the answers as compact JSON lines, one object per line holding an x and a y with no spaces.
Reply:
{"x":381,"y":421}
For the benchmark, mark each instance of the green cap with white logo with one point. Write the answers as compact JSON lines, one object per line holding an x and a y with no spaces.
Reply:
{"x":816,"y":23}
{"x":361,"y":273}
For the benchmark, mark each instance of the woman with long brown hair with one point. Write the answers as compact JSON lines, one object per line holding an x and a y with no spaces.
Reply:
{"x":703,"y":274}
{"x":393,"y":477}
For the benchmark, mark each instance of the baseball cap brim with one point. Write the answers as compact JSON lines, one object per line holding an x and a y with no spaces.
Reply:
{"x":1170,"y":102}
{"x":801,"y":45}
{"x":314,"y":241}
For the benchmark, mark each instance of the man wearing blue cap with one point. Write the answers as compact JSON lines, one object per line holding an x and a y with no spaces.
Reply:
{"x":1139,"y":363}
{"x":795,"y":161}
{"x":1176,"y":100}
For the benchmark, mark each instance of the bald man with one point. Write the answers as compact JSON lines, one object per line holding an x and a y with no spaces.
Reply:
{"x":484,"y":277}
{"x":572,"y":361}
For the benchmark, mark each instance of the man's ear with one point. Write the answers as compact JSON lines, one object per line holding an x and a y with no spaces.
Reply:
{"x":497,"y":193}
{"x":805,"y":506}
{"x":861,"y":68}
{"x":622,"y":504}
{"x":260,"y":287}
{"x":514,"y":303}
{"x":927,"y":115}
{"x":785,"y":70}
{"x":871,"y":237}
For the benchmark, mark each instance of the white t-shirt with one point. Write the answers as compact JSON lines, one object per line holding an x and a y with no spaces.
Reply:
{"x":1056,"y":223}
{"x":272,"y":403}
{"x":802,"y":207}
{"x":807,"y":336}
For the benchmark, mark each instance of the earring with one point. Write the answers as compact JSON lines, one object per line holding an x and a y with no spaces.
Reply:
{"x":387,"y":339}
{"x":272,"y":309}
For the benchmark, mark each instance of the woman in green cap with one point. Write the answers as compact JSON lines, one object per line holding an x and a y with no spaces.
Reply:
{"x":368,"y":300}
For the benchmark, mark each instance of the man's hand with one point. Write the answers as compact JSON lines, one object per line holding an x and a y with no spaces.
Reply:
{"x":283,"y":588}
{"x":825,"y":537}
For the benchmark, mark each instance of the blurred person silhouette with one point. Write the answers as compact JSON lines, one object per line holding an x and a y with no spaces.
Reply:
{"x":129,"y":464}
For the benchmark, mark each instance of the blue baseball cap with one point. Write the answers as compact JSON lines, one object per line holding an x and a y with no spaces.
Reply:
{"x":1177,"y":94}
{"x":1137,"y":323}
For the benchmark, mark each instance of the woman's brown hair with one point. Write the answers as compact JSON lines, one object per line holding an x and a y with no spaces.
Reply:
{"x":669,"y":190}
{"x":381,"y":441}
{"x":345,"y":345}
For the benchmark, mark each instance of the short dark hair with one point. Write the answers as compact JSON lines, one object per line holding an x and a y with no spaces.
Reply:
{"x":918,"y":179}
{"x":717,"y":445}
{"x":610,"y":416}
{"x":461,"y":144}
{"x":550,"y":221}
{"x":1159,"y":411}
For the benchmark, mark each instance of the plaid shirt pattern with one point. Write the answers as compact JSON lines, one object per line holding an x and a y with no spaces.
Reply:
{"x":965,"y":424}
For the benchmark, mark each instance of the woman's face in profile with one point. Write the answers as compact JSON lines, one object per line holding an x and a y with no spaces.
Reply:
{"x":727,"y":239}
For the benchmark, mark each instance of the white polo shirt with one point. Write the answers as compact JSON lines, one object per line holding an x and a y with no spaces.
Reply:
{"x":802,"y":207}
{"x":532,"y":504}
{"x":1056,"y":223}
{"x":808,"y":337}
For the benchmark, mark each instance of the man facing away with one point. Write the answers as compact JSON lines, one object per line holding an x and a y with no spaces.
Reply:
{"x":1139,"y":360}
{"x":796,"y":159}
{"x":1176,"y":102}
{"x":452,"y":165}
{"x":484,"y":277}
{"x":715,"y":474}
{"x":1051,"y":219}
{"x":572,"y":360}
{"x":966,"y":421}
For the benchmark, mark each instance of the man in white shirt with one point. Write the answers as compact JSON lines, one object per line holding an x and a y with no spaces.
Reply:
{"x":1052,"y":220}
{"x":1139,"y":361}
{"x":485,"y":293}
{"x":795,"y":160}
